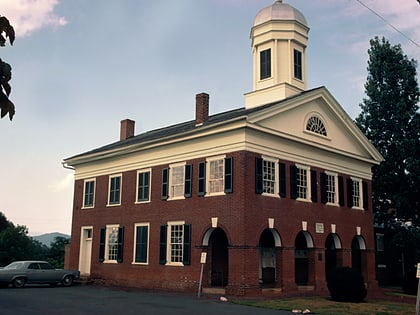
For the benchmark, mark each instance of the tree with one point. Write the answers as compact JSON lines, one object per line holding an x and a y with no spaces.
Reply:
{"x":390,"y":120}
{"x":56,"y":251}
{"x":6,"y":105}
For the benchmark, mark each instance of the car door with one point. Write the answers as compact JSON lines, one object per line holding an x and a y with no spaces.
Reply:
{"x":49,"y":274}
{"x":33,"y":273}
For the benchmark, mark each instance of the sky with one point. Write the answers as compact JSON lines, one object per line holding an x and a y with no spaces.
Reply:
{"x":82,"y":66}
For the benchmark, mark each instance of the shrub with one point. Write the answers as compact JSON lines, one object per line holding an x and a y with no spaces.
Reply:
{"x":346,"y":285}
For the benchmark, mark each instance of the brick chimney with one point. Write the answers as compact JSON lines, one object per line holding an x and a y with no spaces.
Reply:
{"x":127,"y":129}
{"x":201,"y":108}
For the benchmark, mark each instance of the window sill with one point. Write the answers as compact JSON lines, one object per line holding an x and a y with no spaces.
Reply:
{"x":87,"y":208}
{"x":304,"y":200}
{"x":110,"y":262}
{"x":113,"y":204}
{"x":220,"y":193}
{"x":332,"y":204}
{"x":174,"y":264}
{"x":142,"y":201}
{"x":271,"y":195}
{"x":176,"y":198}
{"x":139,"y":263}
{"x":358,"y":208}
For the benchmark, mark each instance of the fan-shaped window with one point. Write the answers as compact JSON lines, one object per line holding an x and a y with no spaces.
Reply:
{"x":316,"y":125}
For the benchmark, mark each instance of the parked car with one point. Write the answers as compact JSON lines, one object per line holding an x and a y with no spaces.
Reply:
{"x":20,"y":273}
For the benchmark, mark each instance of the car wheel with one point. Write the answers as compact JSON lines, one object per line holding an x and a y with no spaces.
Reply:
{"x":67,"y":281}
{"x":19,"y":282}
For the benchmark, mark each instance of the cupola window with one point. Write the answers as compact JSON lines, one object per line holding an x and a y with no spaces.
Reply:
{"x":265,"y":64}
{"x":297,"y":64}
{"x":316,"y":125}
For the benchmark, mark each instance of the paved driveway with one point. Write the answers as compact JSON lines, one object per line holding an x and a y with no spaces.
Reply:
{"x":45,"y":300}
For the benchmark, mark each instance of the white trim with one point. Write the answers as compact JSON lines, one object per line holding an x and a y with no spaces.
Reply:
{"x":145,"y":170}
{"x":276,"y":176}
{"x":134,"y":243}
{"x":361,"y":197}
{"x":308,"y":183}
{"x":208,"y":169}
{"x":109,"y":190}
{"x":170,"y":174}
{"x":84,"y":192}
{"x":168,"y":243}
{"x":106,"y":249}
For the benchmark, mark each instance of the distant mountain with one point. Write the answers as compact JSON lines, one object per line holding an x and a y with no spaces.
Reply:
{"x":48,"y":238}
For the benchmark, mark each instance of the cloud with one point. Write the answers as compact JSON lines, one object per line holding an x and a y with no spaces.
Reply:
{"x":28,"y":16}
{"x":62,"y":184}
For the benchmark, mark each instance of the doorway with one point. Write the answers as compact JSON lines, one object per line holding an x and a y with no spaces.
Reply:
{"x":85,"y":255}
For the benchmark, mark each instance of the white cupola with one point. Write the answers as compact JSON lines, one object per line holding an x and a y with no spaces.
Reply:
{"x":279,"y":37}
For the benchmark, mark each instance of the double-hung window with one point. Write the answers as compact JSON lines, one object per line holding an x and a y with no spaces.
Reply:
{"x":331,"y":188}
{"x":176,"y":181}
{"x":143,"y":185}
{"x":301,"y":186}
{"x":111,"y":244}
{"x":141,"y":243}
{"x":267,"y":176}
{"x":89,"y":193}
{"x":175,"y":243}
{"x":356,"y":193}
{"x":215,"y":176}
{"x":114,"y":196}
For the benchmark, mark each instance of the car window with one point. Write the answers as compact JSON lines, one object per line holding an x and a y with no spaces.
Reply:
{"x":33,"y":266}
{"x":45,"y":266}
{"x":14,"y":265}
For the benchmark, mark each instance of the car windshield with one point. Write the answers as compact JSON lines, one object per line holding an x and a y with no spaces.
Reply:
{"x":14,"y":265}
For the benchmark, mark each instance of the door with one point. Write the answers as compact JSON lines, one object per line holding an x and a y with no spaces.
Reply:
{"x":85,"y":257}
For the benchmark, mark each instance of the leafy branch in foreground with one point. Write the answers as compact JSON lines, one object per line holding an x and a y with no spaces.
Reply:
{"x":6,"y":106}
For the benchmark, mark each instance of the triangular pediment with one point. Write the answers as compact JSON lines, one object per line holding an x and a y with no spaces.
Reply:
{"x":289,"y":119}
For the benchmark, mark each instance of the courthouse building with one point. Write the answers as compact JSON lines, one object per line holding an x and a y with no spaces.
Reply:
{"x":276,"y":193}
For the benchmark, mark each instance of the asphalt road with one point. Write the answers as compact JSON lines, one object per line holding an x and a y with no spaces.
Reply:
{"x":45,"y":300}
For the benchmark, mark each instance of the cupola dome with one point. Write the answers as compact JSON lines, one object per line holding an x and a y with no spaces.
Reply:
{"x":279,"y":11}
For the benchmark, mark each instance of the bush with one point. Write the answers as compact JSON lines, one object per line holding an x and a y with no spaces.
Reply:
{"x":346,"y":285}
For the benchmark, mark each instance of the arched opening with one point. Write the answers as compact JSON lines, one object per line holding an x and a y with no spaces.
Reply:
{"x":218,"y":253}
{"x":357,"y":246}
{"x":303,"y":241}
{"x":267,"y":271}
{"x":332,"y":244}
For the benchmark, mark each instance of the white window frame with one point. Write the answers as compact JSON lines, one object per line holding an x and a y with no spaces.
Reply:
{"x":109,"y":190}
{"x":276,"y":187}
{"x":209,"y":178}
{"x":134,"y":243}
{"x":169,"y":244}
{"x":84,"y":193}
{"x":147,"y":170}
{"x":307,"y":169}
{"x":171,"y":184}
{"x":108,"y":230}
{"x":333,"y":177}
{"x":360,"y":193}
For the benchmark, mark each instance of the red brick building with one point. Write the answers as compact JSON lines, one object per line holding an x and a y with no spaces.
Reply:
{"x":276,"y":193}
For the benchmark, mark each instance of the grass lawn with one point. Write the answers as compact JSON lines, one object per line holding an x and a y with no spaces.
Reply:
{"x":325,"y":306}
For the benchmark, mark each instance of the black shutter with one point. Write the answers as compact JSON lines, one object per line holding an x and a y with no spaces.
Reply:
{"x":201,"y":178}
{"x":120,"y":244}
{"x":365,"y":196}
{"x":258,"y":175}
{"x":293,"y":182}
{"x":349,"y":192}
{"x":228,"y":175}
{"x":323,"y":180}
{"x":102,"y":245}
{"x":187,"y":245}
{"x":314,"y":190}
{"x":141,"y":244}
{"x":165,"y":173}
{"x":162,"y":247}
{"x":340,"y":191}
{"x":188,"y":181}
{"x":282,"y":180}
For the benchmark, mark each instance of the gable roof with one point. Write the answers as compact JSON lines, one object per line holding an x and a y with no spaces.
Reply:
{"x":252,"y":115}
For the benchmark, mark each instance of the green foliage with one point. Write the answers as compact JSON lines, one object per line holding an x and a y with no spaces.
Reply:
{"x":346,"y":285}
{"x":15,"y":244}
{"x":6,"y":105}
{"x":391,"y":121}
